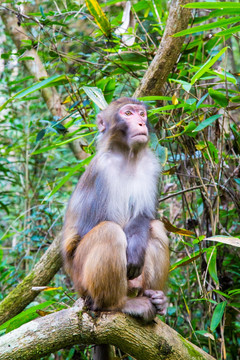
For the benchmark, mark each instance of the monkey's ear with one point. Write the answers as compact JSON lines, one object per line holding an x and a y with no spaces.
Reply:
{"x":101,"y":123}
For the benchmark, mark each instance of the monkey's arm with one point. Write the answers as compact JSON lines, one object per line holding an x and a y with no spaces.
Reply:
{"x":137,"y":233}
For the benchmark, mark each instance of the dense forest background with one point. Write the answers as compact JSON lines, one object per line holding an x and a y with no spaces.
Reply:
{"x":60,"y":62}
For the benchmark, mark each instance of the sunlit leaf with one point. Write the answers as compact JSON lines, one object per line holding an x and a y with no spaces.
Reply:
{"x":205,"y":333}
{"x":229,"y":240}
{"x":174,"y":229}
{"x":96,"y":95}
{"x":174,"y":100}
{"x":99,"y":16}
{"x":46,"y":288}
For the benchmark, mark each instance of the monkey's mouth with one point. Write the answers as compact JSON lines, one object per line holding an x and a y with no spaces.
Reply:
{"x":140,"y":134}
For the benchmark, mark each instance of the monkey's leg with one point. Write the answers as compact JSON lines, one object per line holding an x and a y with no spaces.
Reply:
{"x":156,"y":266}
{"x":100,"y":266}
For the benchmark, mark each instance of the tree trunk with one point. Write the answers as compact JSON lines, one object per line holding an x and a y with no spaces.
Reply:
{"x":168,"y":51}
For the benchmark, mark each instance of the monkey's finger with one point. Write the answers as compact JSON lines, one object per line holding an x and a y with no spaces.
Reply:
{"x":158,"y":301}
{"x":149,"y":293}
{"x":158,"y":294}
{"x":162,"y":312}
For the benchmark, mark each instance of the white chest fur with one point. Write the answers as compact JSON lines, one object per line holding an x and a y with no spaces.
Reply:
{"x":132,"y":185}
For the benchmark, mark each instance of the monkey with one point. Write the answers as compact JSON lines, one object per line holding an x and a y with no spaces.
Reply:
{"x":112,"y":244}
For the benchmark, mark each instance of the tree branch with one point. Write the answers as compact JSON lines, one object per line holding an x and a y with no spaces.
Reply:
{"x":168,"y":51}
{"x":42,"y":273}
{"x":75,"y":326}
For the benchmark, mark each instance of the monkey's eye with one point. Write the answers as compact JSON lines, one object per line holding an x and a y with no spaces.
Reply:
{"x":142,"y":114}
{"x":128,"y":113}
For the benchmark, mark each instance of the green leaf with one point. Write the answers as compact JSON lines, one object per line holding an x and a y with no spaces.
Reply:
{"x":24,"y":316}
{"x":210,"y":26}
{"x":207,"y":122}
{"x":40,"y":135}
{"x":208,"y":149}
{"x":212,"y":264}
{"x":229,"y":240}
{"x":213,"y":5}
{"x":207,"y":65}
{"x":47,"y":148}
{"x":230,"y":31}
{"x":51,"y":81}
{"x":96,"y":95}
{"x":185,"y":85}
{"x":99,"y":16}
{"x":217,"y":315}
{"x":219,"y":97}
{"x":188,"y":130}
{"x":66,"y":177}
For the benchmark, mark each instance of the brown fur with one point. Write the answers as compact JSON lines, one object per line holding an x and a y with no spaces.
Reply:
{"x":109,"y":236}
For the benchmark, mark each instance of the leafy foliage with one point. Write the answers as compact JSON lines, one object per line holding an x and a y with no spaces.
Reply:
{"x":196,"y":126}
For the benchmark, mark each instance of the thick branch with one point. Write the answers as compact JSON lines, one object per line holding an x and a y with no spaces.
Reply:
{"x":42,"y":273}
{"x":74,"y":326}
{"x":36,"y":68}
{"x":168,"y":51}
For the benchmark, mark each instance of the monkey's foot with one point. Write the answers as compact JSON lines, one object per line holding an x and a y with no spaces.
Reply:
{"x":141,"y":307}
{"x":158,"y":299}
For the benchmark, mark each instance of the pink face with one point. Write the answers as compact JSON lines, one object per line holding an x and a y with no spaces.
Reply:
{"x":135,"y":116}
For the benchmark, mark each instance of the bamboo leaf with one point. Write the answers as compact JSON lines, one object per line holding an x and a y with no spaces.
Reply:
{"x":96,"y":95}
{"x":174,"y":229}
{"x":47,"y":148}
{"x":229,"y":240}
{"x":230,"y":31}
{"x":213,"y":5}
{"x":99,"y":16}
{"x":207,"y":122}
{"x":207,"y":65}
{"x":51,"y":81}
{"x":212,"y":264}
{"x":219,"y":97}
{"x":217,"y":315}
{"x":210,"y":26}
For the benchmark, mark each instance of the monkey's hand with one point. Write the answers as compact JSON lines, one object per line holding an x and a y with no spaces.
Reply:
{"x":135,"y":262}
{"x":158,"y":299}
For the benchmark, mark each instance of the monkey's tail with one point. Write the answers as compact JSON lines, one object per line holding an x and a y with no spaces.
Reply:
{"x":102,"y":352}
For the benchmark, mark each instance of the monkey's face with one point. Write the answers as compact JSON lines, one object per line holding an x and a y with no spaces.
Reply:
{"x":134,"y":116}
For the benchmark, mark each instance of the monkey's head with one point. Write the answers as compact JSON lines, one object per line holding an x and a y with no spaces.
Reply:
{"x":124,"y":123}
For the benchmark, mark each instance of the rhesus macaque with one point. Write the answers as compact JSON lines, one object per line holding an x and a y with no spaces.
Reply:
{"x":111,"y":242}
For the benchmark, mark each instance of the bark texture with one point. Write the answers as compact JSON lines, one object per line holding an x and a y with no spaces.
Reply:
{"x":168,"y":51}
{"x":42,"y":273}
{"x":75,"y":326}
